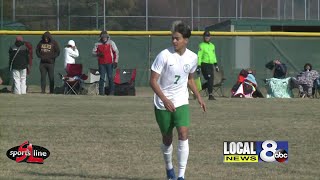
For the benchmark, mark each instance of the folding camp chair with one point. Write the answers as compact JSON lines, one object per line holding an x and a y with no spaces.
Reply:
{"x":124,"y":82}
{"x":92,"y":83}
{"x":279,"y":88}
{"x":73,"y":79}
{"x":316,"y":88}
{"x":198,"y":83}
{"x":218,"y":82}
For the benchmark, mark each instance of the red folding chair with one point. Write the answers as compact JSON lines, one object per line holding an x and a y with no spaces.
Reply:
{"x":124,"y":82}
{"x":123,"y":76}
{"x":73,"y":79}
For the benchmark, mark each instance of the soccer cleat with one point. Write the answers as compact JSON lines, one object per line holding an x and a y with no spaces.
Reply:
{"x":180,"y":178}
{"x":170,"y":174}
{"x":211,"y":97}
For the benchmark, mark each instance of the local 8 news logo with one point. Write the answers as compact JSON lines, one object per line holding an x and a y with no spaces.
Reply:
{"x":255,"y":151}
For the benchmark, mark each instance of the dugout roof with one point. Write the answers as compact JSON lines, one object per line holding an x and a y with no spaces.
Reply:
{"x":266,"y":25}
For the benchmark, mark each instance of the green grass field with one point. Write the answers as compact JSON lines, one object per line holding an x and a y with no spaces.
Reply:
{"x":94,"y":137}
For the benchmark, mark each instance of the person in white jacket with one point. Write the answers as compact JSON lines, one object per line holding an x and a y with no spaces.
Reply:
{"x":70,"y":53}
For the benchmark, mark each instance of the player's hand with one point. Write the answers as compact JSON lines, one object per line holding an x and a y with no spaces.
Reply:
{"x":276,"y":61}
{"x":29,"y":70}
{"x":217,"y":68}
{"x":115,"y":65}
{"x":169,"y":105}
{"x":198,"y":70}
{"x":202,"y":104}
{"x":100,"y":54}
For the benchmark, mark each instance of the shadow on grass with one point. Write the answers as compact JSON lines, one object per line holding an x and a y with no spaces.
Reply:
{"x":80,"y":175}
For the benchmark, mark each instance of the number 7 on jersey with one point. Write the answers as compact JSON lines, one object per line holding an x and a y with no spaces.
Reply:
{"x":177,"y":79}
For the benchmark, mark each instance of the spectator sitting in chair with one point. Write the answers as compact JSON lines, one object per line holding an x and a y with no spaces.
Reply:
{"x":304,"y":80}
{"x":279,"y":69}
{"x":279,"y":86}
{"x":246,"y":85}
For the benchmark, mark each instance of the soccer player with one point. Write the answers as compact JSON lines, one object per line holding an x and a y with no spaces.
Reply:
{"x":171,"y":75}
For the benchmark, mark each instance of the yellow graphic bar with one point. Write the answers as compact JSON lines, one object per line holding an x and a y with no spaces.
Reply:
{"x":240,"y":158}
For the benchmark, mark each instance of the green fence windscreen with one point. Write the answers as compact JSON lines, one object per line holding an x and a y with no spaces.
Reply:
{"x":139,"y":52}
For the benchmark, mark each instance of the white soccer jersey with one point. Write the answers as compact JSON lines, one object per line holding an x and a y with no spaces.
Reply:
{"x":174,"y":71}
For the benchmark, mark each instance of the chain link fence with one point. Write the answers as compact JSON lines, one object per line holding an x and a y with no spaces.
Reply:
{"x":145,"y":14}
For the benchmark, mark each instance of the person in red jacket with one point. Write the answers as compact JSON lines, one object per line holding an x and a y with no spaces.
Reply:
{"x":107,"y":53}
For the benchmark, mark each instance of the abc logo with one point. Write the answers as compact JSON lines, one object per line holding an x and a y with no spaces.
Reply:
{"x":270,"y":153}
{"x":281,"y":155}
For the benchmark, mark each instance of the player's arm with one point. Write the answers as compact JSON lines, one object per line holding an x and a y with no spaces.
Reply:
{"x":192,"y":86}
{"x":156,"y":88}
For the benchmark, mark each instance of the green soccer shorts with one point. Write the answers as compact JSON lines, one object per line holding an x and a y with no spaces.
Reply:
{"x":168,"y":120}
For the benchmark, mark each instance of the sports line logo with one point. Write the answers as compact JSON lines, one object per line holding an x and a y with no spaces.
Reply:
{"x":255,"y":151}
{"x":28,"y":153}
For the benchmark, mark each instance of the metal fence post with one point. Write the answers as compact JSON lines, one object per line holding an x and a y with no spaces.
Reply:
{"x":2,"y":14}
{"x":104,"y":15}
{"x":219,"y":11}
{"x":191,"y":1}
{"x":147,"y":14}
{"x":279,"y":10}
{"x":305,"y":9}
{"x":97,"y":15}
{"x":240,"y":9}
{"x":236,"y":9}
{"x":292,"y":9}
{"x":58,"y":14}
{"x":318,"y":10}
{"x":69,"y":18}
{"x":14,"y":10}
{"x":261,"y":9}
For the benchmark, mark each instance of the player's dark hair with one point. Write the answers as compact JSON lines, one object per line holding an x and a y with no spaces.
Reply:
{"x":182,"y":28}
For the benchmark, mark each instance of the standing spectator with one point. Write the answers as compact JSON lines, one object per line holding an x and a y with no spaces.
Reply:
{"x":29,"y":46}
{"x":108,"y":56}
{"x":206,"y":60}
{"x":18,"y":64}
{"x":47,"y":50}
{"x":279,"y":69}
{"x":171,"y":75}
{"x":70,"y":53}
